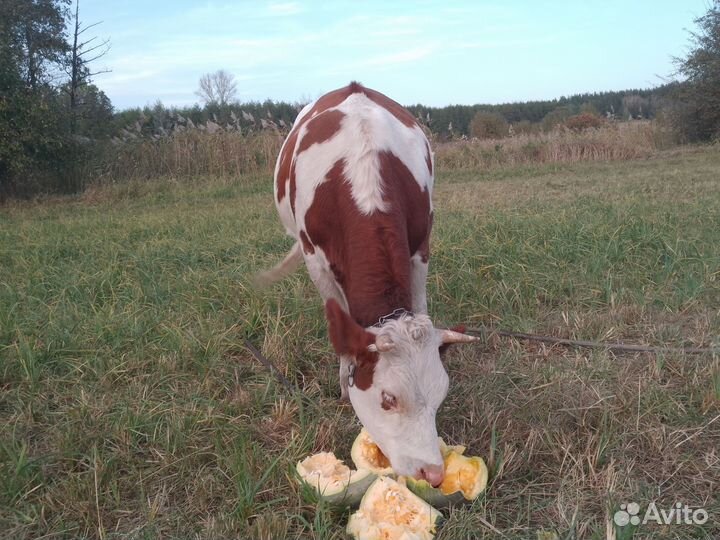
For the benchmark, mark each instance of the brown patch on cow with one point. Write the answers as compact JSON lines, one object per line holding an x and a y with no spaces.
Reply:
{"x":339,"y":276}
{"x":424,"y":248}
{"x":328,"y":101}
{"x":320,"y":129}
{"x":286,"y":157}
{"x":428,"y":157}
{"x":370,"y":254}
{"x":364,"y":369}
{"x":406,"y":197}
{"x":351,"y":339}
{"x":393,"y":107}
{"x":293,"y":188}
{"x":307,"y":246}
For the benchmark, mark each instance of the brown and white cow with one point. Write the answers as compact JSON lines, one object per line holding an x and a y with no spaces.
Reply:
{"x":353,"y":186}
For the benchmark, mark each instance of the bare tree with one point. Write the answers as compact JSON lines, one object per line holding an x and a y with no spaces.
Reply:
{"x":219,"y":88}
{"x":78,"y":65}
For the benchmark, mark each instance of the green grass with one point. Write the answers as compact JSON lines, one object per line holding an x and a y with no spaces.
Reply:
{"x":129,"y":408}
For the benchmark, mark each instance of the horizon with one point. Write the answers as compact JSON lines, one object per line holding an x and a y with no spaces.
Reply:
{"x":434,"y":54}
{"x":626,"y":91}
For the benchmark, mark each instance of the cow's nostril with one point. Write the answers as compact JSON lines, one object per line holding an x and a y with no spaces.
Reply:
{"x":434,"y":474}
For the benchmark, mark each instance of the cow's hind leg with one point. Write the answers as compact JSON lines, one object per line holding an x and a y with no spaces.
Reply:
{"x":287,"y":266}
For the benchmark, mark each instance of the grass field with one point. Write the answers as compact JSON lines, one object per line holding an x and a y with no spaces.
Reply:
{"x":129,"y":408}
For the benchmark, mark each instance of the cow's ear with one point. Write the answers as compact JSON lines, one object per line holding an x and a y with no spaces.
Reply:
{"x":460,"y":328}
{"x":346,"y":336}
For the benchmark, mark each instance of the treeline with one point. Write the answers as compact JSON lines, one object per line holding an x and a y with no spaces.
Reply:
{"x":50,"y":113}
{"x":452,"y":120}
{"x":622,"y":105}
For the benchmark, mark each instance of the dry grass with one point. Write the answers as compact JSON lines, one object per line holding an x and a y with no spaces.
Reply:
{"x":129,"y":409}
{"x":191,"y":154}
{"x":195,"y":154}
{"x":619,"y":141}
{"x":571,"y":435}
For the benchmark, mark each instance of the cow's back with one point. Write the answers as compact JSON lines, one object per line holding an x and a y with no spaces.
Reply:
{"x":353,"y":184}
{"x":357,"y":125}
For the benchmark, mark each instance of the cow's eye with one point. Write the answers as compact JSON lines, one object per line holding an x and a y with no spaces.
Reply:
{"x":389,"y":401}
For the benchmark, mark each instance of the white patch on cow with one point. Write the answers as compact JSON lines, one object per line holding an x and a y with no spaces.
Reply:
{"x":414,"y":374}
{"x":366,"y":130}
{"x":362,"y":163}
{"x":370,"y":129}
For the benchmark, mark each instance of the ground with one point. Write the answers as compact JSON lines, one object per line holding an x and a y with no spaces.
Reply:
{"x":129,"y":407}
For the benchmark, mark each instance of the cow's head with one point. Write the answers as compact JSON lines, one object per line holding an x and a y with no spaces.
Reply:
{"x":398,"y":383}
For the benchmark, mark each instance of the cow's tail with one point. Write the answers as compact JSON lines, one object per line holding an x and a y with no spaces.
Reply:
{"x":283,"y":269}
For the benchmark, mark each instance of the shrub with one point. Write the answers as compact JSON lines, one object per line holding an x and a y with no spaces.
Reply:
{"x":36,"y":153}
{"x":555,"y":118}
{"x":525,"y":127}
{"x":485,"y":125}
{"x":583,"y":121}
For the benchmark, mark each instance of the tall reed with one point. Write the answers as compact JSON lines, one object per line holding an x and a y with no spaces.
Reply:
{"x":226,"y":154}
{"x":191,"y":154}
{"x":629,"y":140}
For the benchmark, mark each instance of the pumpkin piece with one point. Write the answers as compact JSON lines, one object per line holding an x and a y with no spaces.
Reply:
{"x":367,"y":455}
{"x":465,"y":479}
{"x":390,"y":511}
{"x":333,"y":481}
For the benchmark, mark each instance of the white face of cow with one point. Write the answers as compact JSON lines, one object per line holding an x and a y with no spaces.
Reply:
{"x":408,"y":385}
{"x":398,"y":384}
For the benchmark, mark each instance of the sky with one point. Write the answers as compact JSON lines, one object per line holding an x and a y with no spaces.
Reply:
{"x":431,"y":52}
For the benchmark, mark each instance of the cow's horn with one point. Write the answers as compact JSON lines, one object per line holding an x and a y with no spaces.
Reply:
{"x":451,"y":336}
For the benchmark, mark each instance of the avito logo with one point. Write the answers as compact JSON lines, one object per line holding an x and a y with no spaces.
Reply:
{"x":679,"y":514}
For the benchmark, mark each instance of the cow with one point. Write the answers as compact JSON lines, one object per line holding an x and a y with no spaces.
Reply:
{"x":353,"y":185}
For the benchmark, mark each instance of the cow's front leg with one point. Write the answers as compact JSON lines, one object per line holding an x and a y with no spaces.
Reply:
{"x":345,"y":364}
{"x":323,"y":278}
{"x":418,"y":283}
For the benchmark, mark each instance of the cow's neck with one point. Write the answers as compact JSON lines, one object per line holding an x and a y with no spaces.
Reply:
{"x":373,"y":291}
